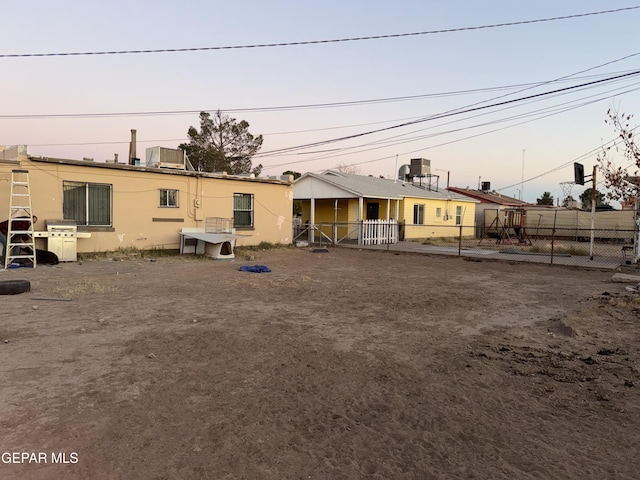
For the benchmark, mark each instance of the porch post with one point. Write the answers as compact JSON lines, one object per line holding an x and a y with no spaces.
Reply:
{"x":360,"y":208}
{"x":312,"y":221}
{"x":335,"y":221}
{"x":397,"y":220}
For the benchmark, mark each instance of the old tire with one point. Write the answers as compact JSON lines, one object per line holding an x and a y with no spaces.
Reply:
{"x":13,"y":287}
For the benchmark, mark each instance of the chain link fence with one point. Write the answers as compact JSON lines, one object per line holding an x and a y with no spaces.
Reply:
{"x":562,"y":244}
{"x":568,"y":246}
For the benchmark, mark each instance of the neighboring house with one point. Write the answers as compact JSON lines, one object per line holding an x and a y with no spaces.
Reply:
{"x":496,"y":211}
{"x":338,"y":203}
{"x":490,"y":203}
{"x":145,"y":207}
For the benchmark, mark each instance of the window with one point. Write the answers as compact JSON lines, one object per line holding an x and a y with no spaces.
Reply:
{"x":168,"y":198}
{"x":418,"y":214}
{"x":242,"y":210}
{"x":458,"y":215}
{"x":87,"y":203}
{"x":438,"y":212}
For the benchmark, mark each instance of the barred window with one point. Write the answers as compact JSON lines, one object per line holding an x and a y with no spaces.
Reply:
{"x":87,"y":203}
{"x":242,"y":210}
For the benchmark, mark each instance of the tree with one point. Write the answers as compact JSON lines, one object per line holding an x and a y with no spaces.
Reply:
{"x":617,"y":178}
{"x":566,"y":202}
{"x":585,"y":198}
{"x":222,"y":145}
{"x":297,"y":204}
{"x":545,"y":199}
{"x":296,"y":175}
{"x":350,"y":169}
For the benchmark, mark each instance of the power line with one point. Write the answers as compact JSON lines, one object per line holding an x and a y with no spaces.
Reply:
{"x":539,"y":115}
{"x":315,"y":42}
{"x":371,"y":101}
{"x":445,"y":115}
{"x":407,"y":123}
{"x":566,"y":164}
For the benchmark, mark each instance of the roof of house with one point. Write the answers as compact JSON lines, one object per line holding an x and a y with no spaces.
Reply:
{"x":489,"y":197}
{"x":286,"y":179}
{"x":376,"y":187}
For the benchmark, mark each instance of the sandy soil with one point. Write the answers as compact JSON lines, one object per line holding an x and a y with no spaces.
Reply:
{"x":341,"y":365}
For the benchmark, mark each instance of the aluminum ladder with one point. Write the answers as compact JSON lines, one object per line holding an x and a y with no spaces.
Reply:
{"x":21,"y":246}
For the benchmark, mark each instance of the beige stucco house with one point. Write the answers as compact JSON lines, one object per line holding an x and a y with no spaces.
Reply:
{"x":146,"y":207}
{"x":336,"y":203}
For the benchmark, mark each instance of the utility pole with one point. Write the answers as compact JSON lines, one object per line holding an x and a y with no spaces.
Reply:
{"x":395,"y":173}
{"x":593,"y":211}
{"x":522,"y":179}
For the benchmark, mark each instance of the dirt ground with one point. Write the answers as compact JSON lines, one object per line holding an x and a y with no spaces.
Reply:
{"x":344,"y":364}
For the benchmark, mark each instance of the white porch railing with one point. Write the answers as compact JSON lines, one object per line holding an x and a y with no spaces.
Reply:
{"x":379,"y":232}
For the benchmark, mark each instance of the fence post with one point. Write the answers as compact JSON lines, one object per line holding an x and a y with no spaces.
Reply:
{"x":460,"y":242}
{"x":553,"y":234}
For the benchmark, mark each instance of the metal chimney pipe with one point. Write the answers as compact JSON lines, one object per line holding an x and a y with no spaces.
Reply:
{"x":132,"y":147}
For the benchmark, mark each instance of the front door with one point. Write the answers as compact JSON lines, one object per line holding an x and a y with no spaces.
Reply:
{"x":373,"y":209}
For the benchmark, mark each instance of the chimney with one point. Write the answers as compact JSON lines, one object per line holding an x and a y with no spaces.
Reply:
{"x":132,"y":148}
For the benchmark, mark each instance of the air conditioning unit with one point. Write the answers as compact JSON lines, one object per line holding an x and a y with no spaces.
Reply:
{"x":420,"y":167}
{"x":160,"y":157}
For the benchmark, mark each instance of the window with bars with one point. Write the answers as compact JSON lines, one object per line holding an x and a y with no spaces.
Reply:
{"x":168,"y":198}
{"x":418,"y":214}
{"x":87,"y":203}
{"x":242,"y":210}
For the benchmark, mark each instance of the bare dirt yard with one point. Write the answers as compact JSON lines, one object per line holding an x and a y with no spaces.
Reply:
{"x":340,"y":365}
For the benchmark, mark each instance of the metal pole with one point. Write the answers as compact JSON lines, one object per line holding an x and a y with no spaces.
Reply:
{"x":553,"y":234}
{"x":593,"y":211}
{"x":395,"y":173}
{"x":522,"y":180}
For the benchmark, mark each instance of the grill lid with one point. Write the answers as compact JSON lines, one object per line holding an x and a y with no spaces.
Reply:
{"x":58,"y":225}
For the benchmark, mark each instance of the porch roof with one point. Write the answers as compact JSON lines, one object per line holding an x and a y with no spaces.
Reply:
{"x":332,"y":184}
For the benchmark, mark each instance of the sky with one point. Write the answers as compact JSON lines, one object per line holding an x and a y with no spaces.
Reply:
{"x":514,"y":105}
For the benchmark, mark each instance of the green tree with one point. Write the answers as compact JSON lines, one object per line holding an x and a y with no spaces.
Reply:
{"x":222,"y":145}
{"x":297,"y":204}
{"x":545,"y":199}
{"x":296,"y":175}
{"x":567,"y":201}
{"x":585,"y":198}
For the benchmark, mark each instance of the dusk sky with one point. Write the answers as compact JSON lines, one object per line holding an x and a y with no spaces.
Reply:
{"x":76,"y":106}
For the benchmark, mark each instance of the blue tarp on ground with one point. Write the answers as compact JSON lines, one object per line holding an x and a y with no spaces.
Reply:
{"x":255,"y":269}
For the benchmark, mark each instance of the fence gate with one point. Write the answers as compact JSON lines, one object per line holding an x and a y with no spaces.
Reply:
{"x":379,"y":232}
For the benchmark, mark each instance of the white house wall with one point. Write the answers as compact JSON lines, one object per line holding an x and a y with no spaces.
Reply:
{"x":310,"y":187}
